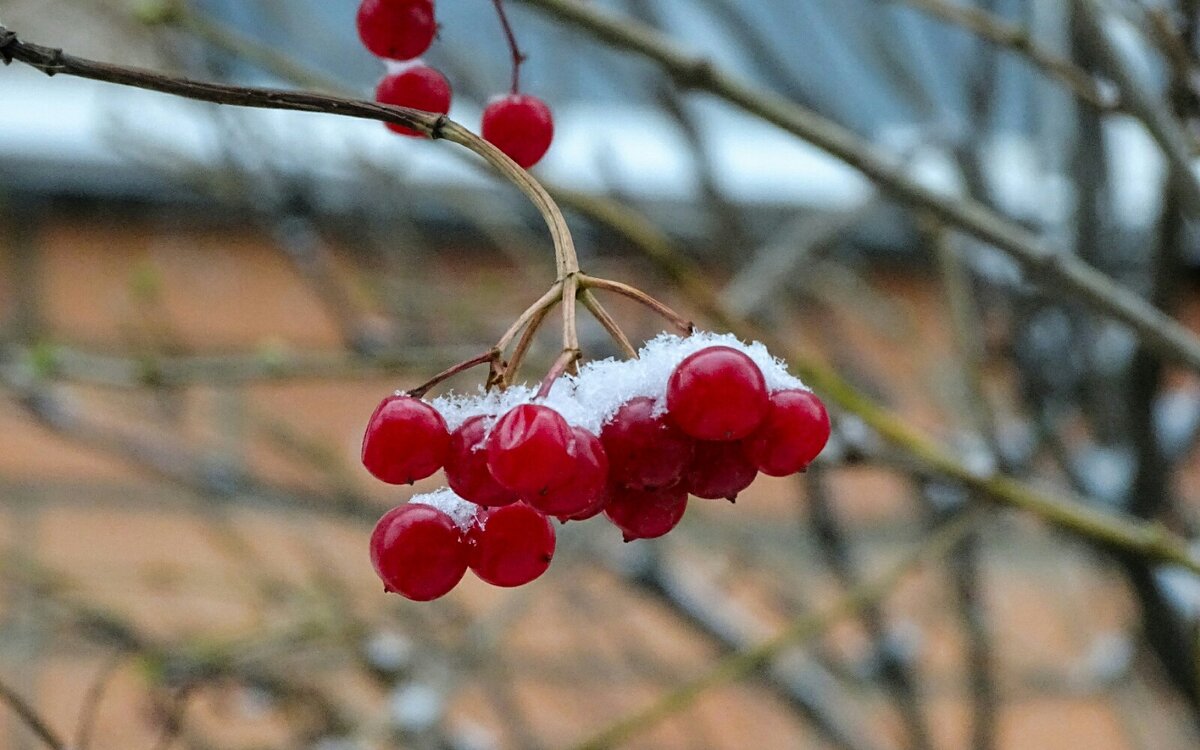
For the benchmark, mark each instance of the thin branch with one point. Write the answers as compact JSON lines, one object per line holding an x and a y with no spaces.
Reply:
{"x":1061,"y":271}
{"x":513,"y":368}
{"x":1117,"y":531}
{"x":744,"y":663}
{"x":489,"y":356}
{"x":83,"y":366}
{"x":91,"y":701}
{"x":432,"y":125}
{"x":511,"y":38}
{"x":1152,"y":110}
{"x":30,"y":717}
{"x":800,"y":680}
{"x":1015,"y":37}
{"x":896,"y":674}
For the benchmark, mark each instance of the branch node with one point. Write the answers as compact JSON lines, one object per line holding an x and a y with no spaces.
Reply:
{"x":435,"y":132}
{"x":696,"y":74}
{"x":7,"y":38}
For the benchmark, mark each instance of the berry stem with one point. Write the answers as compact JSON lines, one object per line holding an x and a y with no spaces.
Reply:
{"x":489,"y":356}
{"x":514,"y":364}
{"x":565,"y":360}
{"x":674,"y":318}
{"x":570,"y":293}
{"x":599,"y":313}
{"x":564,"y":247}
{"x":571,"y":351}
{"x":517,"y":56}
{"x":536,"y":310}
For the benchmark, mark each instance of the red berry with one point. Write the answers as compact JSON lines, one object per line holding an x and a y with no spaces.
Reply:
{"x":585,"y":484}
{"x":644,"y":450}
{"x":519,"y":125}
{"x":406,"y":440}
{"x":717,"y":393}
{"x":646,"y":514}
{"x":511,"y":545}
{"x":591,"y":511}
{"x":417,"y":86}
{"x":719,"y":469}
{"x":419,"y":552}
{"x":396,"y":29}
{"x":530,"y":450}
{"x":793,"y":434}
{"x":466,"y":467}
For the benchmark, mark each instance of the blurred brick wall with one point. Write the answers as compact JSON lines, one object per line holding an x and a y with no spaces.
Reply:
{"x":147,"y":548}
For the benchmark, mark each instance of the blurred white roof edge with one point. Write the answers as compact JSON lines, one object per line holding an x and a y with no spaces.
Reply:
{"x":73,"y":135}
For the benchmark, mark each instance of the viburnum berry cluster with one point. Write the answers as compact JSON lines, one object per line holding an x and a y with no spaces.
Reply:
{"x":699,"y":415}
{"x":400,"y":31}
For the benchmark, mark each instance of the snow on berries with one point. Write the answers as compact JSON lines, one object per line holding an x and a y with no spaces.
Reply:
{"x":700,"y":415}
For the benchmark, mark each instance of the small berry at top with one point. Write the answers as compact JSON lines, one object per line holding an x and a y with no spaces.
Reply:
{"x":396,"y":29}
{"x":521,"y":126}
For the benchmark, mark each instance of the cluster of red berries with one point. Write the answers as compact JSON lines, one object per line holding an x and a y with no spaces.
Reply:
{"x":717,"y":426}
{"x":401,"y":30}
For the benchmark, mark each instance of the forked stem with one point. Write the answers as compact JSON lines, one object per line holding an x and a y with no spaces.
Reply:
{"x":599,"y":313}
{"x":565,"y":360}
{"x":514,"y":364}
{"x":637,"y":295}
{"x":548,"y":300}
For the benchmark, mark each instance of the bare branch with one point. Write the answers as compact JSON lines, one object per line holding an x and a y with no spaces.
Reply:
{"x":744,"y":663}
{"x":1053,"y":267}
{"x":1017,"y":38}
{"x":30,"y":717}
{"x":1151,"y":540}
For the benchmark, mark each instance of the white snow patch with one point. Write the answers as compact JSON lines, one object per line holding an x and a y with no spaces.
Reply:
{"x":589,"y":399}
{"x":462,"y":512}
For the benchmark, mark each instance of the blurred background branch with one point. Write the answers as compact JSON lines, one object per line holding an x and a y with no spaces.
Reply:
{"x":199,"y":306}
